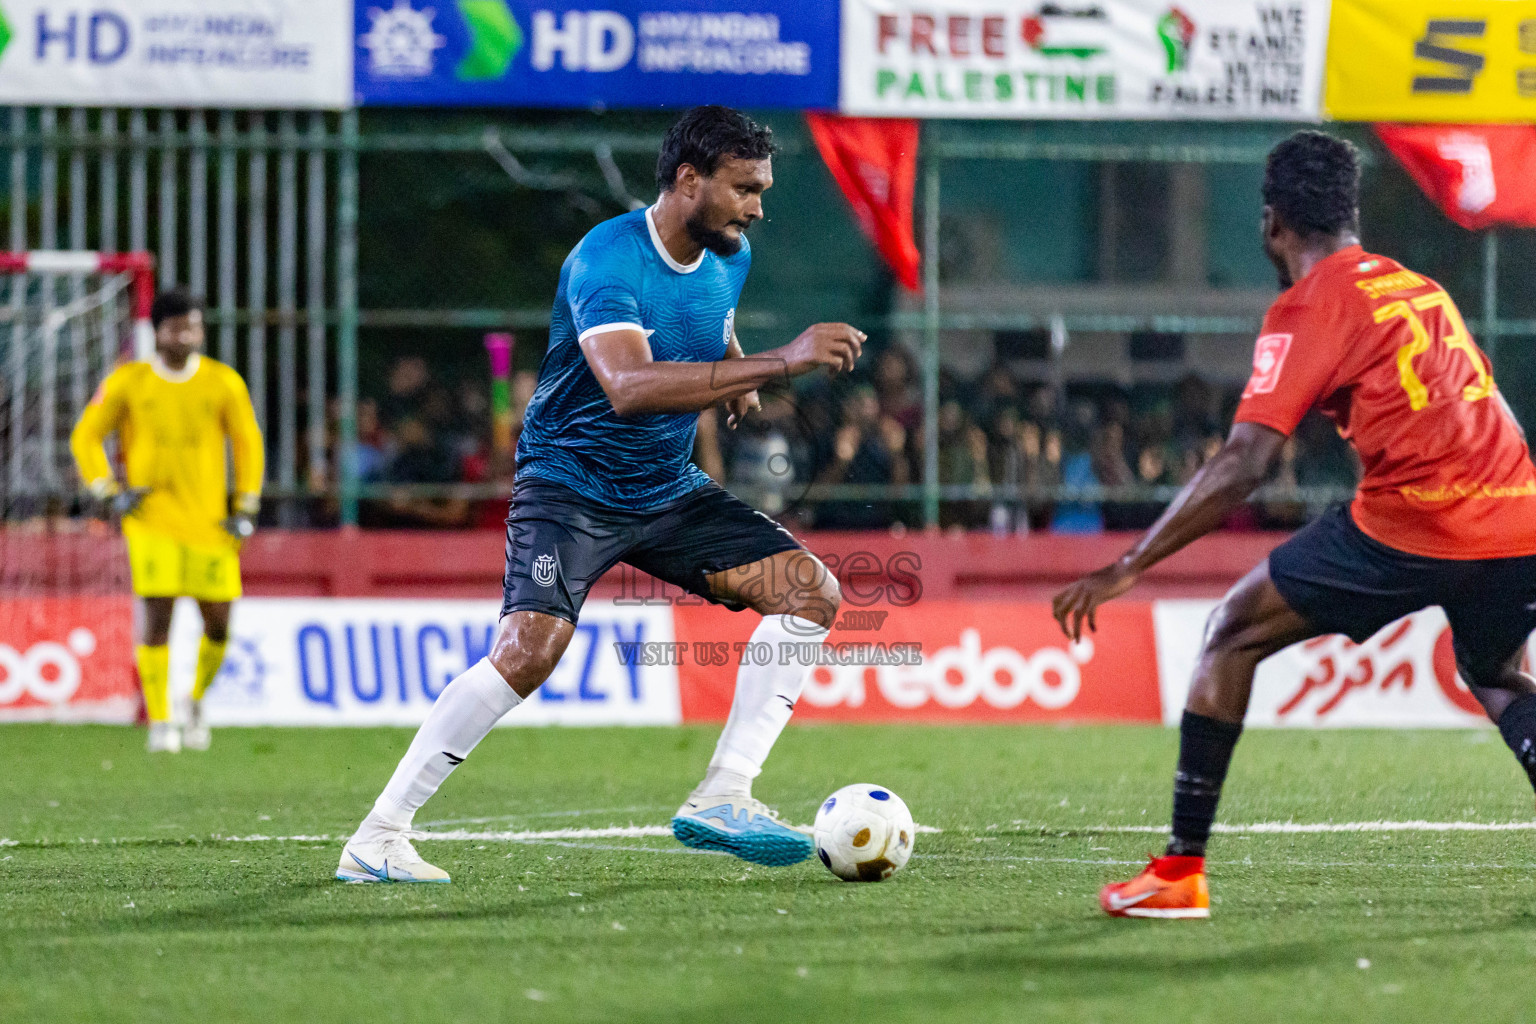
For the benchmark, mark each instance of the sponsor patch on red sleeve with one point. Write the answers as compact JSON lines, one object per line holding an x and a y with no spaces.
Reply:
{"x":1268,"y":358}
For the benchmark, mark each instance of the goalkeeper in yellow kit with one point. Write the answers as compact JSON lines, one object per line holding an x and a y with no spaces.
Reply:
{"x":172,"y":413}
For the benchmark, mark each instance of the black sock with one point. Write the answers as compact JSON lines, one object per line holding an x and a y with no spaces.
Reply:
{"x":1205,"y":751}
{"x":1518,"y":725}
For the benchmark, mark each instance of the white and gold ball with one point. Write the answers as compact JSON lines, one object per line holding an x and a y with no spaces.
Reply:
{"x":864,"y":833}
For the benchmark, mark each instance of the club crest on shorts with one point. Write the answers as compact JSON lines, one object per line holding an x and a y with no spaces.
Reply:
{"x":544,"y":570}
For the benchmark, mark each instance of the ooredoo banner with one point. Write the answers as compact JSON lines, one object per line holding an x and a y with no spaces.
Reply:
{"x":177,"y":53}
{"x":1193,"y":59}
{"x":631,"y":53}
{"x":67,"y":659}
{"x":937,"y":662}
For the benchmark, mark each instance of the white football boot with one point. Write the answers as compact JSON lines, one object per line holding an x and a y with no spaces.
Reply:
{"x":195,"y":734}
{"x":164,"y":737}
{"x":385,"y":856}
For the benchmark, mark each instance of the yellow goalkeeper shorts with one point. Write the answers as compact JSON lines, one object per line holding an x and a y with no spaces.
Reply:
{"x":164,"y":567}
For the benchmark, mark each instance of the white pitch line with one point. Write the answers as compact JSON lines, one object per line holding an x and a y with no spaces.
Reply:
{"x":1302,"y":828}
{"x":612,"y":832}
{"x":569,"y":845}
{"x":540,"y":814}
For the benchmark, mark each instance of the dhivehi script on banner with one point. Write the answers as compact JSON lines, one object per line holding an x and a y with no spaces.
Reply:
{"x":1196,"y":59}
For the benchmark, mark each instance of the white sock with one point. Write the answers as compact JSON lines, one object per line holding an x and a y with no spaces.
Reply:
{"x":765,"y":697}
{"x":465,"y":711}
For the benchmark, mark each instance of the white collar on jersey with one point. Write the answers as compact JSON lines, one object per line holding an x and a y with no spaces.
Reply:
{"x":180,"y":376}
{"x":681,"y":268}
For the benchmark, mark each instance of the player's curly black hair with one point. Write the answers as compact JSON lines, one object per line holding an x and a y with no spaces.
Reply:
{"x":704,"y":135}
{"x":176,"y":302}
{"x":1312,"y":180}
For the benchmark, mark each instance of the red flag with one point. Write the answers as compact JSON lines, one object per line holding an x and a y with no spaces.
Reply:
{"x":875,"y":162}
{"x":1480,"y":175}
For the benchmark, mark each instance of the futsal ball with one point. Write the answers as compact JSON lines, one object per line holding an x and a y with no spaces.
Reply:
{"x":864,"y":833}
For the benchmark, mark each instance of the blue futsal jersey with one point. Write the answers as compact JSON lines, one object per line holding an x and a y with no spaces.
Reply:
{"x":621,"y":275}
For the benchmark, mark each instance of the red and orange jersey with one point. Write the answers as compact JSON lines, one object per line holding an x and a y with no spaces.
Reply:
{"x":1385,"y":354}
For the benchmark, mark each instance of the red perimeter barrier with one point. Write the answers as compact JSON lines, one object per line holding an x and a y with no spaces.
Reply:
{"x":969,"y":567}
{"x":355,"y":563}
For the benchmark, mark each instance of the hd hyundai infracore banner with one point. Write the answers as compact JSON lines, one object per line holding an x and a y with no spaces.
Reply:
{"x":1194,"y":59}
{"x":612,"y":53}
{"x":176,"y":53}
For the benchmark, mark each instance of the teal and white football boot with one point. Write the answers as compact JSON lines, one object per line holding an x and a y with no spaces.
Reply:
{"x":742,"y":827}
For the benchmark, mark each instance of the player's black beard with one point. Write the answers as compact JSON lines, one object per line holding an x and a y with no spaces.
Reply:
{"x":717,"y":242}
{"x":1282,"y":272}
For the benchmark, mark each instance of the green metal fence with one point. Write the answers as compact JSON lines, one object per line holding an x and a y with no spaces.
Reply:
{"x":260,"y":211}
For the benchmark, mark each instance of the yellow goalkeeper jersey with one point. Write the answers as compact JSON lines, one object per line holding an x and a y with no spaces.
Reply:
{"x":171,"y":428}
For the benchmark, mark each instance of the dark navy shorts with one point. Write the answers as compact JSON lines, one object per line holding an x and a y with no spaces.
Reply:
{"x":1343,"y":581}
{"x":559,"y":543}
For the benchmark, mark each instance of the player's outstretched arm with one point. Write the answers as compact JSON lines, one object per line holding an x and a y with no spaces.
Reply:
{"x":1220,"y":486}
{"x":636,"y":384}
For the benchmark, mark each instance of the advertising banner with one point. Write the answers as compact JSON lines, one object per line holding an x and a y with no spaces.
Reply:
{"x":67,"y":659}
{"x":338,"y":661}
{"x":617,"y":53}
{"x":1404,"y":676}
{"x":937,"y":661}
{"x":177,"y":53}
{"x":1192,"y":59}
{"x":344,"y":661}
{"x":1426,"y":60}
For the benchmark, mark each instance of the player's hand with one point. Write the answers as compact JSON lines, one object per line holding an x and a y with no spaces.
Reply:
{"x":736,"y":409}
{"x":1081,"y":600}
{"x":239,"y":526}
{"x":126,"y":502}
{"x":835,"y":346}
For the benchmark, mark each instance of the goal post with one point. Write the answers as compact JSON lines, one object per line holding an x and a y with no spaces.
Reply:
{"x":66,"y":318}
{"x":66,"y":618}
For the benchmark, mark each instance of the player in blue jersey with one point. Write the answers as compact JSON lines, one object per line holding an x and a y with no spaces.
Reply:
{"x":641,"y":341}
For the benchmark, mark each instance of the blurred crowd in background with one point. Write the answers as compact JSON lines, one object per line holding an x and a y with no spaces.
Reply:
{"x":1013,"y":449}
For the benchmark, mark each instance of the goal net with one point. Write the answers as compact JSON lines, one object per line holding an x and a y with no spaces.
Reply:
{"x":66,"y":319}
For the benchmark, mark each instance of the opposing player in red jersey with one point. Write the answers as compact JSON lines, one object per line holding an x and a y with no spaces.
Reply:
{"x":1445,"y":513}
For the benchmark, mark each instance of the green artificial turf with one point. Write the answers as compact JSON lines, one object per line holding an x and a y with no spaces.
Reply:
{"x":123,"y":896}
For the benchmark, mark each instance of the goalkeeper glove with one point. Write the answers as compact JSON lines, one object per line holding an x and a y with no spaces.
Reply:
{"x":116,"y":501}
{"x":243,"y":523}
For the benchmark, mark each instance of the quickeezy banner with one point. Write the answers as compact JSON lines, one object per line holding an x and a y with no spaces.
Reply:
{"x":634,"y":53}
{"x":1214,"y":59}
{"x":177,"y":53}
{"x":1462,"y":62}
{"x":383,"y":662}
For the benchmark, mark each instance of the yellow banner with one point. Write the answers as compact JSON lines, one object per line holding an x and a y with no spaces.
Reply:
{"x":1432,"y":60}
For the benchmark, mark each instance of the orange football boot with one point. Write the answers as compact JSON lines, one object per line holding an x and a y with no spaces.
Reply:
{"x":1168,"y":887}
